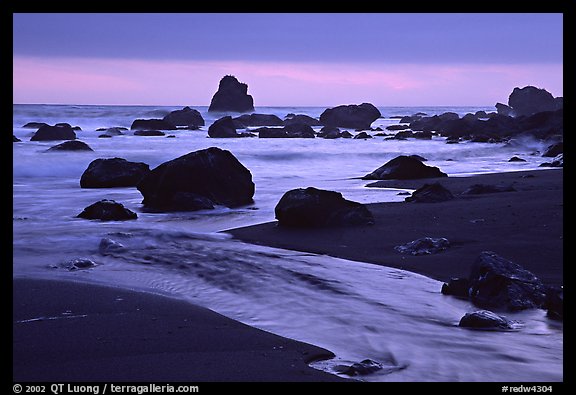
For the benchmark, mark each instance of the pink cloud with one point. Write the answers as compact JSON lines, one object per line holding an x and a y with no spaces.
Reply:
{"x":121,"y":81}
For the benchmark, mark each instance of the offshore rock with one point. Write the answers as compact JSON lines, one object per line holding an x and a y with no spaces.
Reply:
{"x":484,"y":319}
{"x":197,"y":180}
{"x":71,"y":145}
{"x":113,"y":173}
{"x":354,"y":116}
{"x":232,"y":96}
{"x":187,"y":117}
{"x":57,"y":132}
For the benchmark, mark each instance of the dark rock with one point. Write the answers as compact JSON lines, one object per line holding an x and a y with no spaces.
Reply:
{"x":50,"y":133}
{"x":152,"y":124}
{"x":108,"y":246}
{"x":77,"y":128}
{"x":498,"y":283}
{"x":115,"y":131}
{"x":346,"y":134}
{"x":459,"y":287}
{"x":554,"y":150}
{"x":299,"y":130}
{"x":72,"y":145}
{"x":397,"y":127}
{"x":300,"y":118}
{"x":35,"y":125}
{"x":554,"y":303}
{"x":424,"y":246}
{"x":453,"y":140}
{"x":422,"y":135}
{"x":329,"y":132}
{"x":478,"y":189}
{"x":171,"y":136}
{"x":295,"y":130}
{"x":271,"y":133}
{"x":15,"y":139}
{"x":362,"y":136}
{"x":223,"y":128}
{"x":149,"y":133}
{"x":208,"y":177}
{"x":104,"y":136}
{"x":481,"y":114}
{"x":187,"y":117}
{"x":403,"y":135}
{"x":557,"y":162}
{"x":313,"y":207}
{"x":404,"y":168}
{"x":484,"y":319}
{"x":516,"y":159}
{"x":232,"y":96}
{"x":430,"y":193}
{"x":351,"y":116}
{"x":107,"y":210}
{"x":362,"y":368}
{"x":78,"y":264}
{"x":258,"y":120}
{"x":419,"y":157}
{"x":531,"y":100}
{"x":113,"y":173}
{"x":542,"y":125}
{"x":503,"y":109}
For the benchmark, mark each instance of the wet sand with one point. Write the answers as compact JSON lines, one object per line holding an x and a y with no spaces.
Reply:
{"x":69,"y":331}
{"x":524,"y":226}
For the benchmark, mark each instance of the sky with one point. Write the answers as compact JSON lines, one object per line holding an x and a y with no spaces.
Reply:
{"x":286,"y":59}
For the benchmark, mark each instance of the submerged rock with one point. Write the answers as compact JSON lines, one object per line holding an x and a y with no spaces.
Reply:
{"x":78,"y":264}
{"x":113,"y":173}
{"x":430,"y":193}
{"x":478,"y":189}
{"x":404,"y":167}
{"x":196,"y":181}
{"x":152,"y":124}
{"x":459,"y":287}
{"x":312,"y":207}
{"x":15,"y":139}
{"x":367,"y":366}
{"x":424,"y":246}
{"x":149,"y":133}
{"x":72,"y":145}
{"x":232,"y":96}
{"x":302,"y":119}
{"x":107,"y":210}
{"x":484,"y":319}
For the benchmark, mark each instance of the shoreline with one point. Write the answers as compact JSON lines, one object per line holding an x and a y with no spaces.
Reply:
{"x":74,"y":331}
{"x":524,"y":226}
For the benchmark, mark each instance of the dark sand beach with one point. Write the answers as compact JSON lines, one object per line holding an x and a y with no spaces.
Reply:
{"x":67,"y":331}
{"x":524,"y":226}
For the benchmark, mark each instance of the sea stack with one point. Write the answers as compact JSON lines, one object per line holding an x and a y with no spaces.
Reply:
{"x":232,"y":96}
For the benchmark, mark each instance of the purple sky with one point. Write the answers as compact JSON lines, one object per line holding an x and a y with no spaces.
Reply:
{"x":286,"y":59}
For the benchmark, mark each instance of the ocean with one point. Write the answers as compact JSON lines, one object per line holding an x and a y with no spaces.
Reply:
{"x":392,"y":316}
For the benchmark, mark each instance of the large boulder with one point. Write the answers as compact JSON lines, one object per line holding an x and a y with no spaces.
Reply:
{"x":404,"y":167}
{"x":312,"y":207}
{"x":498,"y":283}
{"x":232,"y":96}
{"x":357,"y":116}
{"x":301,"y":118}
{"x":113,"y":173}
{"x":152,"y":124}
{"x":57,"y":132}
{"x":197,"y":180}
{"x":246,"y":120}
{"x":223,"y":127}
{"x":107,"y":210}
{"x":187,"y":117}
{"x":70,"y":145}
{"x":531,"y":100}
